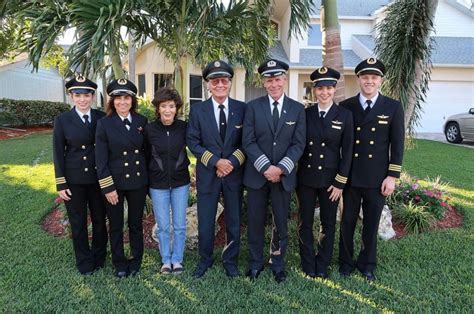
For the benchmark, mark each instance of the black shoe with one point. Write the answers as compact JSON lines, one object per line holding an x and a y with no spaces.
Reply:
{"x":87,"y":273}
{"x":280,"y":276}
{"x":345,"y":273}
{"x":310,"y":274}
{"x":368,"y":275}
{"x":121,"y":274}
{"x":200,"y":271}
{"x":322,"y":275}
{"x":232,"y":271}
{"x":254,"y":273}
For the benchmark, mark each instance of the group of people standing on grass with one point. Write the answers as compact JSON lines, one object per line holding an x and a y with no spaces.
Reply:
{"x":270,"y":146}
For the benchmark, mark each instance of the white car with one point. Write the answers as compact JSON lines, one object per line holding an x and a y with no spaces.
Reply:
{"x":460,"y":127}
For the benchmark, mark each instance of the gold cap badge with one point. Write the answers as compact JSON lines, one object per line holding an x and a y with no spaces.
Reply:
{"x":371,"y":61}
{"x":322,"y":70}
{"x":122,"y":81}
{"x":80,"y":78}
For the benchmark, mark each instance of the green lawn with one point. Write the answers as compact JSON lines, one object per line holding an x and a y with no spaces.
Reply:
{"x":432,"y":272}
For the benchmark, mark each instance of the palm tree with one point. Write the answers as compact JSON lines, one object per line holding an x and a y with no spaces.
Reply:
{"x":405,"y":45}
{"x":332,"y":52}
{"x":196,"y":29}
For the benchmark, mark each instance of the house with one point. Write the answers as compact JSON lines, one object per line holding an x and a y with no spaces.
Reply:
{"x":18,"y":81}
{"x":452,"y":79}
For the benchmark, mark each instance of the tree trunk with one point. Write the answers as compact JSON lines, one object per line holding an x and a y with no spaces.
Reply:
{"x":332,"y":52}
{"x":117,"y":69}
{"x":132,"y":49}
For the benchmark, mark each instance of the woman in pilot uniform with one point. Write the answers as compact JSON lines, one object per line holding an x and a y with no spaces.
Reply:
{"x":322,"y":171}
{"x":121,"y":169}
{"x":76,"y":178}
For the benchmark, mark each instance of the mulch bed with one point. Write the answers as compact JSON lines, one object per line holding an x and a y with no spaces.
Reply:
{"x":451,"y":219}
{"x":53,"y":223}
{"x":6,"y":134}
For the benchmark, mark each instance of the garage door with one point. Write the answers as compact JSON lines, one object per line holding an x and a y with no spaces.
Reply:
{"x":445,"y":98}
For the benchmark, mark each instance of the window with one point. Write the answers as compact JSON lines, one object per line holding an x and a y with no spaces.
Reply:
{"x":195,"y":89}
{"x":141,"y":84}
{"x":315,"y":36}
{"x":307,"y":93}
{"x":162,"y":80}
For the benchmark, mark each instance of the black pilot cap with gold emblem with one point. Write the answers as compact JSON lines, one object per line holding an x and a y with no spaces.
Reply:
{"x":121,"y":87}
{"x":217,"y":68}
{"x":80,"y":85}
{"x":370,"y":66}
{"x":273,"y":67}
{"x":325,"y":76}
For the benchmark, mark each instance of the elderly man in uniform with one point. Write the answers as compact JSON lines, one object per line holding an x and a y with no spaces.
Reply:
{"x":274,"y":139}
{"x":377,"y":162}
{"x":214,"y":136}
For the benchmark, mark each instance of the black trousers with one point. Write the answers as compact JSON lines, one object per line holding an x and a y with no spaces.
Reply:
{"x":307,"y":196}
{"x":372,"y":205}
{"x":257,"y":203}
{"x":87,"y":196}
{"x":207,"y":210}
{"x":136,"y":203}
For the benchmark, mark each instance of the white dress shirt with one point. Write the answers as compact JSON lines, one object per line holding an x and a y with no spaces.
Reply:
{"x":217,"y":111}
{"x":279,"y":106}
{"x":129,"y":117}
{"x":81,"y":115}
{"x":363,"y":100}
{"x":325,"y":110}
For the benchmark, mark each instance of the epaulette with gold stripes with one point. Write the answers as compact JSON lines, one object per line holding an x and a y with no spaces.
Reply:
{"x":341,"y":179}
{"x":239,"y":155}
{"x":106,"y":182}
{"x":393,"y":167}
{"x":61,"y":180}
{"x":206,"y":157}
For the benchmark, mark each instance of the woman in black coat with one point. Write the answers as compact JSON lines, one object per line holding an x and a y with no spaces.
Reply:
{"x":322,"y":171}
{"x":121,"y":169}
{"x":169,"y":177}
{"x":76,"y":178}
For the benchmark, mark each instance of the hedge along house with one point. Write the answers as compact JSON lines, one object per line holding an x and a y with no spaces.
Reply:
{"x":452,"y":80}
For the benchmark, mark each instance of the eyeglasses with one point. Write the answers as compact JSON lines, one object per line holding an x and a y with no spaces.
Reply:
{"x":223,"y":80}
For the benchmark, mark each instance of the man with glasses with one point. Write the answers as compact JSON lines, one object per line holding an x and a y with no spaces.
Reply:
{"x":215,"y":138}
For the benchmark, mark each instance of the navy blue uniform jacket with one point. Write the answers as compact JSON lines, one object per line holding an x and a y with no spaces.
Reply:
{"x":379,"y":141}
{"x":204,"y":141}
{"x":328,"y":154}
{"x":265,"y":145}
{"x":73,"y":149}
{"x":120,"y":155}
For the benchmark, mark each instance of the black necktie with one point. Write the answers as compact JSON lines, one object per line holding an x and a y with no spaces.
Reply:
{"x":86,"y":121}
{"x":275,"y":114}
{"x":321,"y":115}
{"x":127,"y":122}
{"x":367,"y":109}
{"x":222,"y":122}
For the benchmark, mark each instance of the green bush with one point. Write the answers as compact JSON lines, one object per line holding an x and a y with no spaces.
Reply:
{"x":30,"y":112}
{"x":146,"y":108}
{"x":430,"y":193}
{"x":416,"y":218}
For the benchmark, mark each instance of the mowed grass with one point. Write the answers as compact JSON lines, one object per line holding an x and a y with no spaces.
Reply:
{"x":431,"y":272}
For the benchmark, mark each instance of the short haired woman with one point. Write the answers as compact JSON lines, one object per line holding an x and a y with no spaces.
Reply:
{"x":169,"y":177}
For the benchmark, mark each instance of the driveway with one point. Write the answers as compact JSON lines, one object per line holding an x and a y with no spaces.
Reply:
{"x":439,"y":137}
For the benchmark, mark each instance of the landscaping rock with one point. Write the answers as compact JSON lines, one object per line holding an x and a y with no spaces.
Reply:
{"x":385,"y":232}
{"x":191,"y":226}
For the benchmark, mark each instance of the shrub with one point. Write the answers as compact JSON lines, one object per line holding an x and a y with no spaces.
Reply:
{"x":146,"y":108}
{"x":429,"y":193}
{"x":416,"y":218}
{"x":30,"y":112}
